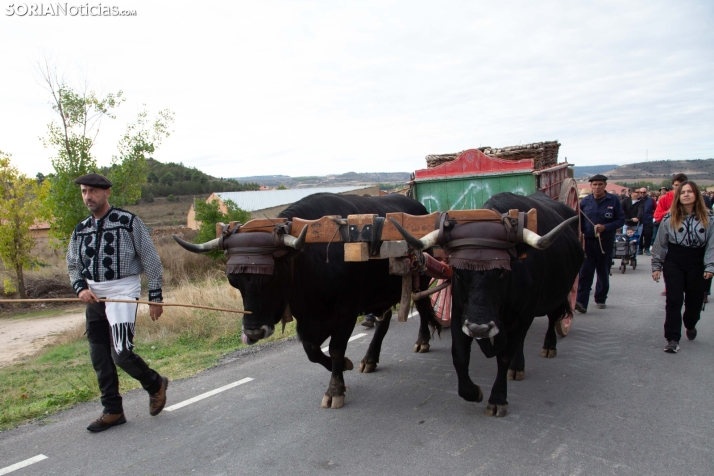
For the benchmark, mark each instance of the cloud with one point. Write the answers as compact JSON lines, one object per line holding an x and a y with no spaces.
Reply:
{"x":322,"y":87}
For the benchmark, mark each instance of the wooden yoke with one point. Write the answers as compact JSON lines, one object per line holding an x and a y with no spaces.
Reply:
{"x":322,"y":230}
{"x":417,"y":225}
{"x":360,"y":229}
{"x":260,"y":224}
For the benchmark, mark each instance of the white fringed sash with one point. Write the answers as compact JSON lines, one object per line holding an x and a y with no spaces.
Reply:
{"x":121,"y":316}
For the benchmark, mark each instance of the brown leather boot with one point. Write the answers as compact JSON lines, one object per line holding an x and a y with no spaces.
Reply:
{"x":158,"y":399}
{"x":106,"y":421}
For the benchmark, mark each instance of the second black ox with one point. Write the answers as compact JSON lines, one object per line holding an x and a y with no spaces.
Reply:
{"x":497,"y":306}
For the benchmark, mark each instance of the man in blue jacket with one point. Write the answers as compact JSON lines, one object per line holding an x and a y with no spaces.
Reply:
{"x":604,"y":217}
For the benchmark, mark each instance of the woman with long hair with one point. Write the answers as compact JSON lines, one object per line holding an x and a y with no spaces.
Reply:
{"x":684,"y":251}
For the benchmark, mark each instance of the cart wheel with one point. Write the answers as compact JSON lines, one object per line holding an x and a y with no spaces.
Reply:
{"x":441,"y":302}
{"x":634,"y":264}
{"x":623,"y":268}
{"x":569,"y":195}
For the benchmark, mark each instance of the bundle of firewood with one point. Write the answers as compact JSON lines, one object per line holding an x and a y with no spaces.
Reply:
{"x":543,"y":154}
{"x":435,"y":160}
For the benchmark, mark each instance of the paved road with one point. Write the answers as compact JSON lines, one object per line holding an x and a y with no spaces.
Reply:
{"x":612,"y":402}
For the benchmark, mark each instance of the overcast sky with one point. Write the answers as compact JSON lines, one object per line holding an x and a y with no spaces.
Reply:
{"x":320,"y":87}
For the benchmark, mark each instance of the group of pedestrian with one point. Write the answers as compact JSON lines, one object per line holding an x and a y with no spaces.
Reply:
{"x":681,"y":228}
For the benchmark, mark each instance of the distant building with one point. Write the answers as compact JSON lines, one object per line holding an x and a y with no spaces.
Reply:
{"x":270,"y":203}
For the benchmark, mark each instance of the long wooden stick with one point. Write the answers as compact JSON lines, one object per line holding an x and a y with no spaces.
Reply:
{"x":126,"y":301}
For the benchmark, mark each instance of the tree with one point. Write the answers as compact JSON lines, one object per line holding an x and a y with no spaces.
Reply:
{"x":209,"y":214}
{"x":80,"y":112}
{"x":152,"y":178}
{"x":167,"y":178}
{"x":282,"y":187}
{"x":21,"y":206}
{"x":129,"y":169}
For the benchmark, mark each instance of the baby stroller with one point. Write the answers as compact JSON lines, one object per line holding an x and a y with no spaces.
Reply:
{"x":626,"y":248}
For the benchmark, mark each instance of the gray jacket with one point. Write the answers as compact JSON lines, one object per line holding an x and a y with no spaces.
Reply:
{"x":691,"y":234}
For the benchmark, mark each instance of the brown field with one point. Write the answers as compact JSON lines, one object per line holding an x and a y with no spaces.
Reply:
{"x":164,"y":213}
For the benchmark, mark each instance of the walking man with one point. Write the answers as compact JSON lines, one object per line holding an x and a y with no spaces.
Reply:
{"x":604,"y":217}
{"x":647,"y":223}
{"x":107,"y":253}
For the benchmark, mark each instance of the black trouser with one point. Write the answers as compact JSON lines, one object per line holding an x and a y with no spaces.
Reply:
{"x":683,"y":273}
{"x":104,"y":357}
{"x":596,"y":261}
{"x":646,"y":238}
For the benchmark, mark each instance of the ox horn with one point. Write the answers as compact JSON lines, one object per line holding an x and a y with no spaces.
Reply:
{"x":543,"y":242}
{"x":197,"y":248}
{"x":297,"y":243}
{"x":428,"y":241}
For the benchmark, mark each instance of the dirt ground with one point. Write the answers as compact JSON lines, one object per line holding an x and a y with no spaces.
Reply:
{"x":26,"y":336}
{"x":164,"y":213}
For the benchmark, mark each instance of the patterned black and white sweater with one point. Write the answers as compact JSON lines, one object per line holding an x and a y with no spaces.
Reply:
{"x":113,"y":247}
{"x":690,"y":234}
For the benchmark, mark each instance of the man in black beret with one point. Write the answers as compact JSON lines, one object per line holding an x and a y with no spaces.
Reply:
{"x":604,"y":217}
{"x":94,"y":180}
{"x":107,"y":253}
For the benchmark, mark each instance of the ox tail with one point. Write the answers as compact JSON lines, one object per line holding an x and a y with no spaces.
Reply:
{"x":561,"y":311}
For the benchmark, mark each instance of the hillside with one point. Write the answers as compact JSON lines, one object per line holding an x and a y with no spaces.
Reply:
{"x":588,"y":170}
{"x":337,"y":180}
{"x":165,"y":179}
{"x":664,"y":169}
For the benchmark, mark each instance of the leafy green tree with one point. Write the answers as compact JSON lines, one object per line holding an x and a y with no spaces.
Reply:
{"x":152,"y":178}
{"x":80,"y":113}
{"x":129,"y":169}
{"x":21,"y":206}
{"x":209,"y":214}
{"x":282,"y":187}
{"x":167,"y":178}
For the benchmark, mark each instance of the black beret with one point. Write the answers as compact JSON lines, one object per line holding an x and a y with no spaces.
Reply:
{"x":597,"y":177}
{"x":94,"y":180}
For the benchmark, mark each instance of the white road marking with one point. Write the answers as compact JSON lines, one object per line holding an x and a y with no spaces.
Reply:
{"x":362,"y":334}
{"x":207,"y":394}
{"x":22,"y":464}
{"x":356,"y":336}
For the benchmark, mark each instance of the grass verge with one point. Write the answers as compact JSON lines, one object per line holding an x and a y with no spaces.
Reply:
{"x":182,"y":343}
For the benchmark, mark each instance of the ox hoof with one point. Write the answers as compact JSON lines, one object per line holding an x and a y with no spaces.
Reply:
{"x":421,"y":348}
{"x":333,"y":402}
{"x":516,"y":375}
{"x":348,"y":364}
{"x":472,"y":395}
{"x":548,"y":353}
{"x":497,"y":410}
{"x":338,"y":401}
{"x":367,"y":366}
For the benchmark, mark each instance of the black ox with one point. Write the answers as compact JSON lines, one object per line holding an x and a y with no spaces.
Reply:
{"x":497,"y":306}
{"x":324,"y":295}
